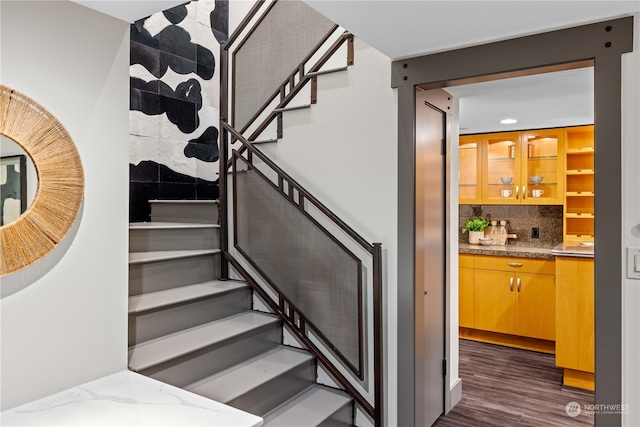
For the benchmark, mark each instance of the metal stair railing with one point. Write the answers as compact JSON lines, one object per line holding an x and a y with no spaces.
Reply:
{"x":282,"y":231}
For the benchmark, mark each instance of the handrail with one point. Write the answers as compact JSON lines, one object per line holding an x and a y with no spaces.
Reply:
{"x":374,"y":411}
{"x":375,"y":249}
{"x":289,"y":315}
{"x":305,"y":78}
{"x":306,"y":194}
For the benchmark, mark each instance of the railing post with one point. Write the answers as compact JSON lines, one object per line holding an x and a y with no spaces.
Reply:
{"x":222,"y":161}
{"x":378,"y":369}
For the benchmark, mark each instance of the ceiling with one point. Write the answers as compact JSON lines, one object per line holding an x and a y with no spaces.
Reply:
{"x":129,"y":10}
{"x":405,"y":28}
{"x":559,"y":99}
{"x":402,"y":29}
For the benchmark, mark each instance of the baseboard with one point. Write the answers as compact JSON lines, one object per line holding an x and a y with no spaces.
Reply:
{"x":456,"y":394}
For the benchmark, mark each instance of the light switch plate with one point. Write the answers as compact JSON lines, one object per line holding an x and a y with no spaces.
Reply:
{"x":633,"y":263}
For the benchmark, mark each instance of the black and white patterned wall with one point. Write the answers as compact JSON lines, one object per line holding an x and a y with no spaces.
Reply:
{"x":174,"y":106}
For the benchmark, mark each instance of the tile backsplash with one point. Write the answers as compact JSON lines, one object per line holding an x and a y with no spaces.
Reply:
{"x":520,"y":221}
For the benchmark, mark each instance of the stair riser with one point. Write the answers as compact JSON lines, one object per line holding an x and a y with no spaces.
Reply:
{"x":144,"y":240}
{"x":185,"y":212}
{"x":158,"y":276}
{"x":341,"y":418}
{"x":208,"y":361}
{"x":267,"y":396}
{"x":150,"y":325}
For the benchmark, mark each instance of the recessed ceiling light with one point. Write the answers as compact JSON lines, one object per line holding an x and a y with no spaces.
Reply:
{"x":508,"y":121}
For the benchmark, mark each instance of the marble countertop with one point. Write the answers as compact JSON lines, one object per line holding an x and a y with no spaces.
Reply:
{"x":126,"y":399}
{"x":507,"y":250}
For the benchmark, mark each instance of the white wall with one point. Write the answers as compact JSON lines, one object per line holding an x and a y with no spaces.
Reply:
{"x":66,"y":324}
{"x":631,"y":229}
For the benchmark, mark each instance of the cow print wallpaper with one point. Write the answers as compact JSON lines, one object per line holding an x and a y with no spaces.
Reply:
{"x":174,"y":105}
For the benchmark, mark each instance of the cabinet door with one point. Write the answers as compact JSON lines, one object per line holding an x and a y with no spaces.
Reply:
{"x":536,"y":306}
{"x":542,"y":180}
{"x":469,"y":170}
{"x":466,"y":297}
{"x":575,"y":314}
{"x":501,"y":163}
{"x":494,"y":301}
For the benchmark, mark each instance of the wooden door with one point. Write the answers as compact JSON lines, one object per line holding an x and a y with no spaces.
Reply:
{"x":494,"y":301}
{"x":466,"y":297}
{"x":575,"y":309}
{"x":536,"y":306}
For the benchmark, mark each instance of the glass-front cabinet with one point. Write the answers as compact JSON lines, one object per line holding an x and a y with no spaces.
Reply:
{"x":469,"y":171}
{"x":524,"y":167}
{"x":543,"y":167}
{"x":501,"y":168}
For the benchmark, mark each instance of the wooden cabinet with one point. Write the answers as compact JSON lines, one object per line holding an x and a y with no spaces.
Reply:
{"x":501,"y":159}
{"x":466,"y":291}
{"x":579,"y":194}
{"x":500,"y":168}
{"x":544,"y":157}
{"x":515,"y":296}
{"x":575,"y":320}
{"x":470,"y":169}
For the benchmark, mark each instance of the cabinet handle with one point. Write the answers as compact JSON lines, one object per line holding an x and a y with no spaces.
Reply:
{"x":511,"y":284}
{"x":524,"y":192}
{"x":517,"y":188}
{"x":514,"y":264}
{"x":518,"y":284}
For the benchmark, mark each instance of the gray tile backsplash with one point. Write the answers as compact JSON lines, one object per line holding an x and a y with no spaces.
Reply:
{"x":520,"y":221}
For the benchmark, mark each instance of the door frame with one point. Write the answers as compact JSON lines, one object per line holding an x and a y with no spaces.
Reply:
{"x":600,"y":45}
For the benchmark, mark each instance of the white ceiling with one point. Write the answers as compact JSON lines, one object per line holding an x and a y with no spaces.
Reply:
{"x":559,"y":99}
{"x":129,"y":10}
{"x":405,"y":28}
{"x":402,"y":29}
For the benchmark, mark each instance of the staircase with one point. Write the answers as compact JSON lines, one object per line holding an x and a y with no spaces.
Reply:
{"x":188,"y":329}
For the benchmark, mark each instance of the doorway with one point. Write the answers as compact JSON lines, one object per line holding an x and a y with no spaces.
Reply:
{"x":603,"y":43}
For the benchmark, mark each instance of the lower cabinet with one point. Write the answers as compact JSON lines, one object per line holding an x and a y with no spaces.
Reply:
{"x":575,"y":321}
{"x":508,"y":295}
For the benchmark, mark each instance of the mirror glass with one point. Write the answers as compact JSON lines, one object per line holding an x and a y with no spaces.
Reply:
{"x":18,"y":180}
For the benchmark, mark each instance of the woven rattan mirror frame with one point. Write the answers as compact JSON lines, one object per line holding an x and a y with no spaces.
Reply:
{"x":60,"y":181}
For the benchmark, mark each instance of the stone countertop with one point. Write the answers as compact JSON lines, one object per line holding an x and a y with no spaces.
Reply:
{"x":507,"y":250}
{"x":127,"y":399}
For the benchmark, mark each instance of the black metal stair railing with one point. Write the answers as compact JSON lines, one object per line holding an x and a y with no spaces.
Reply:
{"x":322,"y":278}
{"x":319,"y":281}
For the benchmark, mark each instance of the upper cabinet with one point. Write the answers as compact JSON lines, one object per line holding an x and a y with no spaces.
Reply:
{"x":579,"y":212}
{"x":543,"y":167}
{"x":469,"y":172}
{"x":513,"y":168}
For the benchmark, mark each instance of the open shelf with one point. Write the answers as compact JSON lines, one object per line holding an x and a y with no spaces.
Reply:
{"x":583,"y":150}
{"x":579,"y":215}
{"x":580,"y":172}
{"x":580,"y":194}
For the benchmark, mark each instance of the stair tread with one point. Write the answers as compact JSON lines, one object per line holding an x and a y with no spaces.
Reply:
{"x":309,"y":408}
{"x":161,"y":225}
{"x":159,"y":350}
{"x":245,"y":376}
{"x":153,"y":300}
{"x":155,"y":256}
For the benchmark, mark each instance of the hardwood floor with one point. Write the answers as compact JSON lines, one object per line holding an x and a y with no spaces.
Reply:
{"x":503,"y":386}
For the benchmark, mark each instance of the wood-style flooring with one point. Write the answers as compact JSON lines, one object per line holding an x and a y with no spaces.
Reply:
{"x":504,"y":386}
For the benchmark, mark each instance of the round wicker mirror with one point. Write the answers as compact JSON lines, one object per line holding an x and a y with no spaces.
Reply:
{"x":60,"y":181}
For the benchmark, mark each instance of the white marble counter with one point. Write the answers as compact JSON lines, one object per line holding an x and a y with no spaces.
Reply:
{"x":126,"y":399}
